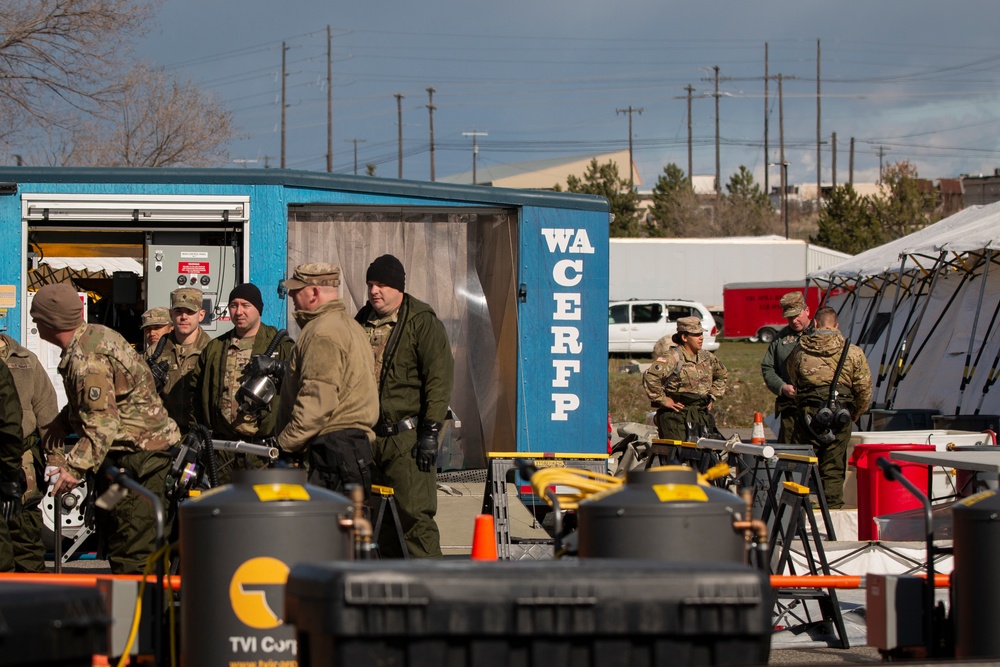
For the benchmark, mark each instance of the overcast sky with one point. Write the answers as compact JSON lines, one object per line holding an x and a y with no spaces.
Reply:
{"x":545,"y":78}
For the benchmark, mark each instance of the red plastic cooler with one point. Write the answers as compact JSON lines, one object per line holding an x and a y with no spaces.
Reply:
{"x":876,"y":494}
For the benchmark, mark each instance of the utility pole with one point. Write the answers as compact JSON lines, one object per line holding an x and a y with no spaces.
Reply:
{"x":475,"y":150}
{"x":819,"y":153}
{"x":329,"y":101}
{"x":631,"y":169}
{"x":781,"y":139}
{"x":355,"y":142}
{"x":690,"y":89}
{"x":718,"y":172}
{"x":430,"y":110}
{"x":833,"y":162}
{"x":850,"y":165}
{"x":767,"y":156}
{"x":399,"y":123}
{"x":881,"y":154}
{"x":284,"y":49}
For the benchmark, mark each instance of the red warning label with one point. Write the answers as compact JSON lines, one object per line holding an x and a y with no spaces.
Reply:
{"x":192,"y":267}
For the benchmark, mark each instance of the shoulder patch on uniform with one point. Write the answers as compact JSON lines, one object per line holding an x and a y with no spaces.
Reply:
{"x":661,"y":358}
{"x":94,"y":393}
{"x":657,"y":366}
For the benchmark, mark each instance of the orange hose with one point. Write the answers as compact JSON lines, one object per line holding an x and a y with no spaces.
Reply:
{"x":80,"y":579}
{"x":837,"y":581}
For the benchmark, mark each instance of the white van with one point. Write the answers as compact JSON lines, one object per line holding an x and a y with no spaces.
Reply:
{"x":635,"y":325}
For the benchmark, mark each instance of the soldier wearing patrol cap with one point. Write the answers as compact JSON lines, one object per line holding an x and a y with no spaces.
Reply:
{"x":113,"y":408}
{"x":181,"y":351}
{"x":814,"y":366}
{"x":155,"y":324}
{"x":772,"y":366}
{"x":329,"y":401}
{"x":684,"y":383}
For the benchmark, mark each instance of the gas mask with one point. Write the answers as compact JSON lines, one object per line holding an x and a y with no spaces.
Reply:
{"x":255,"y":396}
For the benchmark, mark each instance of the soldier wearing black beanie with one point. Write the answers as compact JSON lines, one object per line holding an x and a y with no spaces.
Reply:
{"x":248,"y":292}
{"x":387,"y":270}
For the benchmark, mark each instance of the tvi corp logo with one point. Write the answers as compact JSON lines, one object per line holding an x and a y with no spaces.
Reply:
{"x":257,"y":590}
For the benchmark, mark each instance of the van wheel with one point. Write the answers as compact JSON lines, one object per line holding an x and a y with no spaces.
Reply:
{"x":767,"y":334}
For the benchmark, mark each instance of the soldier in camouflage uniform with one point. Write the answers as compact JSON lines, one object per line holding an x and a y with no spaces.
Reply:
{"x":155,"y":325}
{"x":184,"y":345}
{"x":684,"y":383}
{"x":773,"y":365}
{"x":11,"y":452}
{"x":113,"y":408}
{"x":811,"y":368}
{"x":38,"y":407}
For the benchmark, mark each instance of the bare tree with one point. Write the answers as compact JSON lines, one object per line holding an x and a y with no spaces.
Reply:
{"x":154,"y":121}
{"x":62,"y":57}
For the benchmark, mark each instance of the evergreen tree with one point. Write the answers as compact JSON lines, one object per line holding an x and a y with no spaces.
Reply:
{"x":675,"y":210}
{"x":603,"y":180}
{"x":745,"y":210}
{"x":848,"y":223}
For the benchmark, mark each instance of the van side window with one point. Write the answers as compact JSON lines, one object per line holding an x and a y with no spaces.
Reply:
{"x":618,"y":314}
{"x":647,"y":313}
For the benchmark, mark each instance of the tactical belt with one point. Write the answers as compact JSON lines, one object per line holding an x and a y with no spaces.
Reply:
{"x":382,"y":429}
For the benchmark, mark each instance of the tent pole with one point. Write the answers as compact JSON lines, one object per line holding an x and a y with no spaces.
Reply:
{"x":902,"y":349}
{"x":888,"y":329}
{"x":930,"y":333}
{"x":966,"y":374}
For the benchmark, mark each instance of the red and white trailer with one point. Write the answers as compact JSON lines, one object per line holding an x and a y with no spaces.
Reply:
{"x":753,"y":310}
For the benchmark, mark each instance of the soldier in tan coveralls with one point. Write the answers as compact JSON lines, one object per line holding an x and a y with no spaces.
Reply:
{"x":38,"y":407}
{"x":684,"y":383}
{"x":329,"y":401}
{"x":115,"y":411}
{"x":11,"y":450}
{"x":811,"y":368}
{"x":184,"y":345}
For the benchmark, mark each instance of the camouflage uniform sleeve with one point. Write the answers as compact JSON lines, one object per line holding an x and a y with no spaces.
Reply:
{"x":98,"y":417}
{"x":768,"y":370}
{"x":792,"y":366}
{"x":11,"y":436}
{"x":720,"y":377}
{"x":861,"y":382}
{"x":653,"y":379}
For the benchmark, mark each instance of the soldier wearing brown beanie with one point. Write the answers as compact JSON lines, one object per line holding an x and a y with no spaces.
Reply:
{"x":113,"y":407}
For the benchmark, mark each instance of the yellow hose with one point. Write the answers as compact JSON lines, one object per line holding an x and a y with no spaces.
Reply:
{"x":588,"y":483}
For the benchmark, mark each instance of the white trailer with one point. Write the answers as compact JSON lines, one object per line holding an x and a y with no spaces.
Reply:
{"x":697,"y":269}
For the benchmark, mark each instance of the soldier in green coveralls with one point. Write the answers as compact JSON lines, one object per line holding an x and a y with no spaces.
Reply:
{"x":684,"y":383}
{"x":415,"y":371}
{"x":113,"y":408}
{"x":773,"y":365}
{"x":812,"y":368}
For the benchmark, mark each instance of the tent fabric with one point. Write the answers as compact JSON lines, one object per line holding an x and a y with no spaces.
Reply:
{"x":947,"y":294}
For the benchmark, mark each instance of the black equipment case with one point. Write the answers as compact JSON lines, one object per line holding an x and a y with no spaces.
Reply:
{"x":51,"y":624}
{"x":568,"y":613}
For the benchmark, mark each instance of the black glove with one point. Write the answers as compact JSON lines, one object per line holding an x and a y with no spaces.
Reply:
{"x":12,"y":487}
{"x":260,"y":365}
{"x":159,"y":371}
{"x":426,"y":449}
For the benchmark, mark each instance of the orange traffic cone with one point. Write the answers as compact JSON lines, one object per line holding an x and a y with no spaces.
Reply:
{"x":484,"y":538}
{"x":757,"y":434}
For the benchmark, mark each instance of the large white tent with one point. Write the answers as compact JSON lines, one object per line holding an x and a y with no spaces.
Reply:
{"x":924,"y":308}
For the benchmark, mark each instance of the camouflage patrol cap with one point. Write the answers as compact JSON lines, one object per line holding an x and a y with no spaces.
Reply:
{"x":156,"y":317}
{"x":687,"y":325}
{"x":189,"y":298}
{"x":792,"y":304}
{"x":317,"y":273}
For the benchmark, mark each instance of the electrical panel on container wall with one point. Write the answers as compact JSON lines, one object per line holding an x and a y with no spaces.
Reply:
{"x":519,"y":278}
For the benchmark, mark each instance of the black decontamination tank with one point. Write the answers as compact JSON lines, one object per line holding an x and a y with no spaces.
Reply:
{"x":662,"y":514}
{"x":237,"y":545}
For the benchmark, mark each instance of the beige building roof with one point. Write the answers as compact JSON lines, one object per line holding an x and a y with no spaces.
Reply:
{"x":542,"y":174}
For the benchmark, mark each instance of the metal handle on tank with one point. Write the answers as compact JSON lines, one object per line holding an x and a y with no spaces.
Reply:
{"x":264,"y":451}
{"x":734,"y":445}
